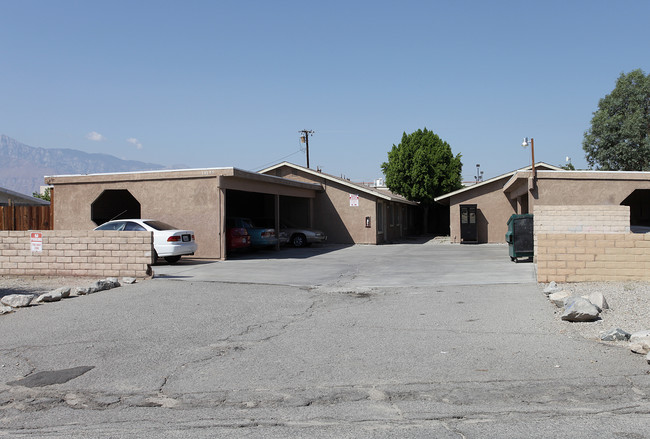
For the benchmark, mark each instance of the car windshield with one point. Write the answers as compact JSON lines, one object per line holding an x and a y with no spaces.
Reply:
{"x":159,"y":225}
{"x":111,"y":225}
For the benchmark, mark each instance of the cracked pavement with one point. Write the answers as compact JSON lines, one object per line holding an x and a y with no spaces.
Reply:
{"x":343,"y":357}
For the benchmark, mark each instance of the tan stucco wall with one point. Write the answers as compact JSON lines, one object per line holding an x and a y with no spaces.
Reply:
{"x":189,"y":199}
{"x":333,"y":214}
{"x":494,"y":209}
{"x":553,"y":188}
{"x":188,"y":203}
{"x":582,"y":188}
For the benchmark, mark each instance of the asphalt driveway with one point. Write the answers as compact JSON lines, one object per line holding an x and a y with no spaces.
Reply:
{"x":420,"y":263}
{"x":407,"y":340}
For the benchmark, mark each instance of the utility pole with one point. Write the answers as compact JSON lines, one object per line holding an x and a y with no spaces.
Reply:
{"x":304,"y":138}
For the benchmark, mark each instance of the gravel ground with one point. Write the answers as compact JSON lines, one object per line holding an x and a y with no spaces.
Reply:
{"x":629,"y":302}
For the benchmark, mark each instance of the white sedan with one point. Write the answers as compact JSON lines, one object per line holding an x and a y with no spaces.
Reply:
{"x":169,"y":242}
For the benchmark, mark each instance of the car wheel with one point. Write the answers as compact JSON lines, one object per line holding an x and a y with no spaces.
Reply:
{"x":298,"y":240}
{"x":172,"y":259}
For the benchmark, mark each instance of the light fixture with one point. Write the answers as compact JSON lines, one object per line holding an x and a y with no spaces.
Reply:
{"x":525,"y":143}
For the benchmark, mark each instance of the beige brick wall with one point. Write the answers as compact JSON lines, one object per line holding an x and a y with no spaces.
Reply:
{"x":585,"y":257}
{"x":582,"y":219}
{"x":77,"y":253}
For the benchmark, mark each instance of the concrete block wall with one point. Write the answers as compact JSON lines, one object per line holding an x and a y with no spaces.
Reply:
{"x":582,"y":219}
{"x":587,"y":257}
{"x":77,"y":253}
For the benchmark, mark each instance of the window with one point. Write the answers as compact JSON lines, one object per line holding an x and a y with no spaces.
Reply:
{"x":131,"y":226}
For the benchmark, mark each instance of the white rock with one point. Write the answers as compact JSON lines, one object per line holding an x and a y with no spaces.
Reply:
{"x":598,"y":299}
{"x":551,"y":288}
{"x":6,"y":309}
{"x":578,"y":309}
{"x":642,"y":348}
{"x":82,"y":291}
{"x":51,"y":296}
{"x":640,"y":335}
{"x":129,"y":280}
{"x":558,"y":298}
{"x":640,"y":342}
{"x":17,"y":300}
{"x":63,"y":291}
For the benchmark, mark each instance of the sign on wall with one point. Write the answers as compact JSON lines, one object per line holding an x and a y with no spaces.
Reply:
{"x":354,"y":200}
{"x":36,"y":241}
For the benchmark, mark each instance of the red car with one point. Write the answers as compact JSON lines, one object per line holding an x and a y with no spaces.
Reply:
{"x":237,"y":238}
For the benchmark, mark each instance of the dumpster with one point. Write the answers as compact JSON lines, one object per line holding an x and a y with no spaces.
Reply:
{"x":520,"y":236}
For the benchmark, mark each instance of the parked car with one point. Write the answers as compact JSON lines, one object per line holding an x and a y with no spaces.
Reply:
{"x":260,"y":236}
{"x":169,"y":242}
{"x":300,"y":236}
{"x":237,"y":238}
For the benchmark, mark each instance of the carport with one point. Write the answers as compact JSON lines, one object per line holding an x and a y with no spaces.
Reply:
{"x":197,"y":199}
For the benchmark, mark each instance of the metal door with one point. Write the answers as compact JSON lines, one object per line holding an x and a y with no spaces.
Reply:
{"x":468,"y":229}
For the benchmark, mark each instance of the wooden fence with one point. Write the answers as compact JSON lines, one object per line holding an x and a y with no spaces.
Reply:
{"x":26,"y":217}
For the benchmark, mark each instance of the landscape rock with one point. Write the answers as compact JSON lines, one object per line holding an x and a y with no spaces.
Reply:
{"x":6,"y":309}
{"x":552,"y":288}
{"x":640,"y":342}
{"x":64,"y":291}
{"x":82,"y":291}
{"x":51,"y":296}
{"x":578,"y":309}
{"x":129,"y":280}
{"x":17,"y":300}
{"x":598,"y":300}
{"x":558,"y":298}
{"x":54,"y":295}
{"x":569,"y":300}
{"x":103,"y":284}
{"x":642,"y":348}
{"x":616,"y":334}
{"x":647,"y":358}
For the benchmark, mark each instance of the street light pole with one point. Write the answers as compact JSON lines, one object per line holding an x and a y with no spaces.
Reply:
{"x":532,"y":153}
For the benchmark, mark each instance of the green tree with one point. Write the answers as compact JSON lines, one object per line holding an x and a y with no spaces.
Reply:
{"x":422,"y":167}
{"x":619,"y":137}
{"x":45,"y":196}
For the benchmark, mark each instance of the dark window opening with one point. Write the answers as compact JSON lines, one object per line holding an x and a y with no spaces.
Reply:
{"x":639,"y":202}
{"x":114,"y":204}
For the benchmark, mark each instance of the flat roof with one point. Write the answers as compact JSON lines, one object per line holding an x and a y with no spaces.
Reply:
{"x":171,"y":174}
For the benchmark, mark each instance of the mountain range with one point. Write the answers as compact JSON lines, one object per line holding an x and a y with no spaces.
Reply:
{"x":23,"y":167}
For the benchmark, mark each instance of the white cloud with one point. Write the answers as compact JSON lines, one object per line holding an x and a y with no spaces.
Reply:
{"x":95,"y":136}
{"x":135,"y":142}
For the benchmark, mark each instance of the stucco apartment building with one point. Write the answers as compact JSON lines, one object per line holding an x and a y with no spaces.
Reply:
{"x":351,"y":212}
{"x":202,"y":199}
{"x":521,"y":191}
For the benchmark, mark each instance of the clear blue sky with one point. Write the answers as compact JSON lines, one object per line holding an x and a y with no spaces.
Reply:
{"x":230,"y":83}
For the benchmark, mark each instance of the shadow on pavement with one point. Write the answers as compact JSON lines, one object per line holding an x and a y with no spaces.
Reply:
{"x":288,"y":252}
